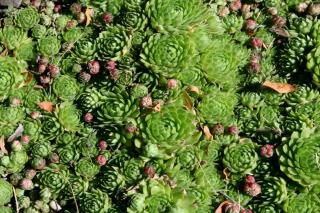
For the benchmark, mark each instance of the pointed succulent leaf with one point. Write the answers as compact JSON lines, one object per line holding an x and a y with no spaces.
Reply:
{"x":303,"y":203}
{"x":274,"y":190}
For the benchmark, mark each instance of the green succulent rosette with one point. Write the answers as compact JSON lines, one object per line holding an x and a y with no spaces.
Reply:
{"x":134,"y":20}
{"x":186,"y":158}
{"x":39,"y":31}
{"x":172,"y":125}
{"x":313,"y":61}
{"x":11,"y":115}
{"x":5,"y":209}
{"x":86,"y":168}
{"x":110,"y":180}
{"x":32,"y":128}
{"x":273,"y":190}
{"x":85,"y":50}
{"x":41,"y":149}
{"x":241,"y":157}
{"x":50,"y":127}
{"x":16,"y":161}
{"x":133,"y":170}
{"x":136,"y":203}
{"x":299,"y":157}
{"x":94,"y":201}
{"x":73,"y":35}
{"x":6,"y":192}
{"x":176,"y":16}
{"x":11,"y":76}
{"x":266,"y":207}
{"x":113,"y":43}
{"x":27,"y":17}
{"x":221,"y":60}
{"x":168,"y":55}
{"x":66,"y":88}
{"x":11,"y":37}
{"x":76,"y":187}
{"x":217,"y":107}
{"x":306,"y":202}
{"x":26,"y":50}
{"x":49,"y":45}
{"x":55,"y":177}
{"x":87,"y":146}
{"x":68,"y":154}
{"x":91,"y":98}
{"x":67,"y":138}
{"x":68,"y":116}
{"x":117,"y":106}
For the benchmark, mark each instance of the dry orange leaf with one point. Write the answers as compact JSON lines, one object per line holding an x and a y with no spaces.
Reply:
{"x":4,"y":53}
{"x":194,"y":89}
{"x":220,"y":207}
{"x":207,"y":133}
{"x":157,"y":107}
{"x":280,"y":87}
{"x":46,"y":106}
{"x":89,"y":13}
{"x":187,"y":101}
{"x":226,"y":173}
{"x":2,"y":146}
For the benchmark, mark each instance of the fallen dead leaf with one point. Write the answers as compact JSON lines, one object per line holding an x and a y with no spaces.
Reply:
{"x":2,"y":145}
{"x":194,"y":89}
{"x":226,"y":173}
{"x":17,"y":133}
{"x":207,"y":133}
{"x":157,"y":107}
{"x":89,"y":13}
{"x":29,"y":78}
{"x":280,"y":87}
{"x":187,"y":101}
{"x":46,"y":106}
{"x":220,"y":207}
{"x":4,"y":52}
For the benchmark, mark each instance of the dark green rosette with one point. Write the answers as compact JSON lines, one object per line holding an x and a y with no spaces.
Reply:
{"x":55,"y":177}
{"x":110,"y":180}
{"x":86,"y":168}
{"x":85,"y":50}
{"x":94,"y":201}
{"x":66,"y":88}
{"x":117,"y":106}
{"x":113,"y":43}
{"x":241,"y":157}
